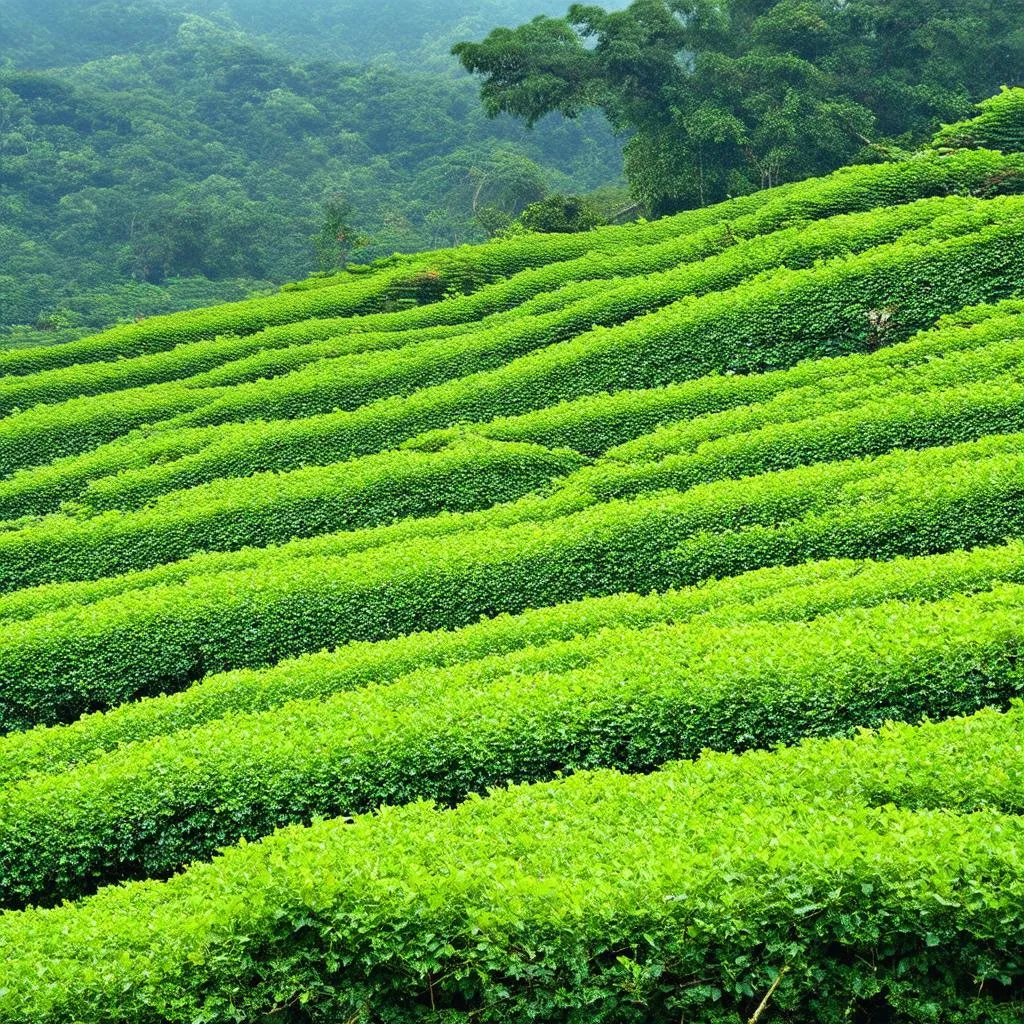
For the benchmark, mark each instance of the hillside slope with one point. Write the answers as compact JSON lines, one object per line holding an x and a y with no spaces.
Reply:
{"x":747,"y":480}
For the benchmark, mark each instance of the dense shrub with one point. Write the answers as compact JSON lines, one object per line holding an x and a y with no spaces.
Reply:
{"x":56,"y":666}
{"x":629,"y":699}
{"x":788,"y":593}
{"x":348,"y":382}
{"x":879,"y":872}
{"x":776,"y":594}
{"x":626,"y":424}
{"x":999,"y":126}
{"x":765,"y":324}
{"x":275,"y":508}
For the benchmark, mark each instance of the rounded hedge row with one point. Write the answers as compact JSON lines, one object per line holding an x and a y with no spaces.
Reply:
{"x":980,"y":172}
{"x":630,"y":424}
{"x":40,"y":435}
{"x":212,"y":363}
{"x":79,"y":380}
{"x":875,"y":381}
{"x":845,"y":877}
{"x":274,"y":508}
{"x":159,"y":333}
{"x":937,"y":416}
{"x":594,"y":423}
{"x":788,"y":593}
{"x":57,"y":666}
{"x":349,"y":382}
{"x":268,"y":362}
{"x":766,"y":324}
{"x":38,"y":490}
{"x":999,"y":126}
{"x":626,"y":699}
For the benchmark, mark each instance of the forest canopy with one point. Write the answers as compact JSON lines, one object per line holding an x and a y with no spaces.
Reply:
{"x":154,"y":158}
{"x":722,"y":97}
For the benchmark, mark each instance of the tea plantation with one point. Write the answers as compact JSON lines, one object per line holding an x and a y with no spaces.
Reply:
{"x":621,"y":627}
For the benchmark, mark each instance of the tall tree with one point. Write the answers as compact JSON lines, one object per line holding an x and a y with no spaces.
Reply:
{"x":720,"y":97}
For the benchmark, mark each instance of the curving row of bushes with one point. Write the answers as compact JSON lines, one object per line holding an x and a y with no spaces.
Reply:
{"x":873,"y":381}
{"x":998,"y":126}
{"x":219,"y":361}
{"x":595,"y":423}
{"x":865,"y":187}
{"x":55,"y":667}
{"x":633,"y":424}
{"x":38,"y":490}
{"x":939,"y":358}
{"x":347,"y":382}
{"x":844,"y":877}
{"x":37,"y":436}
{"x":627,"y":699}
{"x":160,"y":333}
{"x":765,"y":324}
{"x":778,"y":594}
{"x":980,"y":173}
{"x":351,"y":381}
{"x":275,"y":508}
{"x":937,"y":416}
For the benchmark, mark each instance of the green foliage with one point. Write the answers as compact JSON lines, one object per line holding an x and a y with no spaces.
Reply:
{"x":337,"y":237}
{"x":548,"y":504}
{"x":973,"y":347}
{"x":877,"y":872}
{"x":999,"y":126}
{"x":442,"y":734}
{"x":767,"y":323}
{"x":273,"y":508}
{"x":724,"y":98}
{"x":788,"y":593}
{"x":56,"y":666}
{"x":561,"y":214}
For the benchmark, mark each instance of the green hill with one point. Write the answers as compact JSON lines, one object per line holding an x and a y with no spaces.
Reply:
{"x":667,"y":538}
{"x":167,"y":154}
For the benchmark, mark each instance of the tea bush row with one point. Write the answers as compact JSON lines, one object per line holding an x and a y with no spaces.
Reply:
{"x":845,"y":877}
{"x":643,"y":424}
{"x":766,"y":324}
{"x":274,"y":508}
{"x":348,"y":382}
{"x":980,"y":173}
{"x":56,"y":666}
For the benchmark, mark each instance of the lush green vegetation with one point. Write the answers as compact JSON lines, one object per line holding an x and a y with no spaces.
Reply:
{"x":726,"y":97}
{"x":681,"y":510}
{"x":882,"y":871}
{"x":167,"y":154}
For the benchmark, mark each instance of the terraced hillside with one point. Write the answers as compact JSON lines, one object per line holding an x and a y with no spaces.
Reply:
{"x":497,"y":635}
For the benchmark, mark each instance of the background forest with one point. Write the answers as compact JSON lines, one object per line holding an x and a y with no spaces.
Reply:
{"x":163,"y":155}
